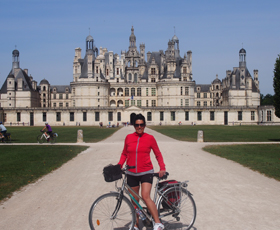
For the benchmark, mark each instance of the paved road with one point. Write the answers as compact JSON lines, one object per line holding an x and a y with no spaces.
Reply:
{"x":227,"y":195}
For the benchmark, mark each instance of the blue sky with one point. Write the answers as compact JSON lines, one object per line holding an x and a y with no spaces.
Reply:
{"x":46,"y":33}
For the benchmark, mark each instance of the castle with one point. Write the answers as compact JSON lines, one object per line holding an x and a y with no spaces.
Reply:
{"x":111,"y":89}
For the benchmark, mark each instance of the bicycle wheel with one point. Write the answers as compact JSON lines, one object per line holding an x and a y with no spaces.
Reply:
{"x":53,"y":139}
{"x":177,"y":209}
{"x":41,"y":139}
{"x":100,"y":214}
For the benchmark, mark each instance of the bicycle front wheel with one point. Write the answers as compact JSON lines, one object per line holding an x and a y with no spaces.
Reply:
{"x":41,"y":139}
{"x":103,"y":213}
{"x":177,"y":209}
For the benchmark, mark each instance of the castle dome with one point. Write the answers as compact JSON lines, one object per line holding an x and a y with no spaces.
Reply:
{"x":44,"y":81}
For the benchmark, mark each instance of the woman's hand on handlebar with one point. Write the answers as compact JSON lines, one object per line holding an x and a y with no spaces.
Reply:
{"x":161,"y":173}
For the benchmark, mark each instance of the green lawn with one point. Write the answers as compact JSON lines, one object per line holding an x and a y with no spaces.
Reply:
{"x":260,"y":157}
{"x":66,"y":134}
{"x":216,"y":133}
{"x":21,"y":165}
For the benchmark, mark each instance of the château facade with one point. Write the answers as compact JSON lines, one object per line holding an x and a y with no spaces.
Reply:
{"x":109,"y":88}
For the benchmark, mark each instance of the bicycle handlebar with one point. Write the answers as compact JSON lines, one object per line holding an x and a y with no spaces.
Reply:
{"x":154,"y":174}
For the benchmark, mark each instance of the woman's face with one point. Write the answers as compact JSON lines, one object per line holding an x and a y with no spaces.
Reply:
{"x":139,"y":126}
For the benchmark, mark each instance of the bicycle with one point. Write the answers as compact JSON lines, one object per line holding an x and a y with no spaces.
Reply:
{"x":43,"y":138}
{"x":176,"y":207}
{"x":7,"y":138}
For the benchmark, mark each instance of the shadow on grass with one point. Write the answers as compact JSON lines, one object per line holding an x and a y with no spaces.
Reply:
{"x":274,"y":139}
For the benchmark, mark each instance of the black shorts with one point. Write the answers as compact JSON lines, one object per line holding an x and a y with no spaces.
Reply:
{"x":134,"y":181}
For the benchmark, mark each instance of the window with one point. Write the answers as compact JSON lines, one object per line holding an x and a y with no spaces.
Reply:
{"x":217,"y":87}
{"x":44,"y":116}
{"x":119,"y":116}
{"x":198,"y":95}
{"x":172,"y":114}
{"x":153,"y":79}
{"x":210,"y":103}
{"x":147,"y":103}
{"x":153,"y":91}
{"x":54,"y":96}
{"x":67,"y":104}
{"x":74,"y":103}
{"x":147,"y":91}
{"x":198,"y":103}
{"x":149,"y":116}
{"x":161,"y":116}
{"x":153,"y":71}
{"x":96,"y":69}
{"x":184,"y":69}
{"x":110,"y":116}
{"x":139,"y":92}
{"x":240,"y":115}
{"x":205,"y":95}
{"x":181,"y":90}
{"x":126,"y":91}
{"x":187,"y":102}
{"x":126,"y":103}
{"x":84,"y":116}
{"x":60,"y":104}
{"x":18,"y":117}
{"x":132,"y":91}
{"x":60,"y":96}
{"x":118,"y":71}
{"x":54,"y":104}
{"x":186,"y":115}
{"x":181,"y":102}
{"x":73,"y":91}
{"x":268,"y":115}
{"x":153,"y":103}
{"x":139,"y":103}
{"x":97,"y":116}
{"x":66,"y":96}
{"x":252,"y":115}
{"x":71,"y":116}
{"x":107,"y":72}
{"x":186,"y":91}
{"x":132,"y":102}
{"x":199,"y":115}
{"x":212,"y":115}
{"x":205,"y":103}
{"x":58,"y":116}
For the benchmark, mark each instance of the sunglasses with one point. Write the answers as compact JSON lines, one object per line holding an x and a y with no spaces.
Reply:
{"x":137,"y":125}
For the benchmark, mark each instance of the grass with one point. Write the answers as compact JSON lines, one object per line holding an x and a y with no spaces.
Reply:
{"x":221,"y":133}
{"x":260,"y":157}
{"x":66,"y":134}
{"x":21,"y":165}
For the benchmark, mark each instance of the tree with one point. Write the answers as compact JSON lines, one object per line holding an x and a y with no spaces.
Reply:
{"x":276,"y":85}
{"x":267,"y":99}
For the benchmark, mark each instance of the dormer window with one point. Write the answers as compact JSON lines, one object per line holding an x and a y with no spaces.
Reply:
{"x":198,"y":88}
{"x":54,"y":89}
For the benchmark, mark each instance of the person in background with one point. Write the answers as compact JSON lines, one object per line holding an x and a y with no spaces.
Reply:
{"x":49,"y":130}
{"x":3,"y":130}
{"x":136,"y":152}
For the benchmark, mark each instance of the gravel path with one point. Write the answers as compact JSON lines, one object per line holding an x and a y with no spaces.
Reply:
{"x":227,"y":195}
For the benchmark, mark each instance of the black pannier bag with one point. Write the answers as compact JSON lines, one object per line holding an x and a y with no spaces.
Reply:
{"x":173,"y":197}
{"x":112,"y":173}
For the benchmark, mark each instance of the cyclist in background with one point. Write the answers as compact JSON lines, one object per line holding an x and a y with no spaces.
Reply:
{"x":49,"y":130}
{"x":3,"y":130}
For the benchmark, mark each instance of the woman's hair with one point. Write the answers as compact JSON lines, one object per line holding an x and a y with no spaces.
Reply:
{"x":140,"y":117}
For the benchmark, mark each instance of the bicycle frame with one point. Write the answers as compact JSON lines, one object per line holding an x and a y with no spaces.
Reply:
{"x":128,"y":190}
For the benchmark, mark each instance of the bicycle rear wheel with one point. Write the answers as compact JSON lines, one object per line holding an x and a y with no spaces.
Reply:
{"x":53,"y":139}
{"x":41,"y":139}
{"x":177,"y":209}
{"x":101,"y":211}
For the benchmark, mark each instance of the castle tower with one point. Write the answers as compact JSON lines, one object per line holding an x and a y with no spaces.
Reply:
{"x":15,"y":59}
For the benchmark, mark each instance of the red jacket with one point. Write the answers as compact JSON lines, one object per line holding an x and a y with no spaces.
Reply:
{"x":136,"y":152}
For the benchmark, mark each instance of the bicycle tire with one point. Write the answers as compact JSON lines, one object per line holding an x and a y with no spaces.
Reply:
{"x":41,"y":139}
{"x":9,"y":139}
{"x":102,"y":209}
{"x":53,"y":139}
{"x":186,"y":207}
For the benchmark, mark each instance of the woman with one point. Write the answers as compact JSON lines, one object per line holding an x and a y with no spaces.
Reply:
{"x":136,"y":152}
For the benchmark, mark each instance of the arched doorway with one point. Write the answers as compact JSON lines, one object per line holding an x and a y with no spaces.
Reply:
{"x":132,"y":118}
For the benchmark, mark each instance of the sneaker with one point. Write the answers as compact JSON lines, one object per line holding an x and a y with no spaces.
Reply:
{"x":158,"y":226}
